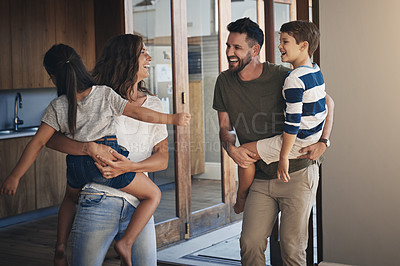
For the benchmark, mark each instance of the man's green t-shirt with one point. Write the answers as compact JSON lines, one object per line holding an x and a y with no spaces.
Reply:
{"x":255,"y":109}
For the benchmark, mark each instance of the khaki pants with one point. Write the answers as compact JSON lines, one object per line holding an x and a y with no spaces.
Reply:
{"x":265,"y":200}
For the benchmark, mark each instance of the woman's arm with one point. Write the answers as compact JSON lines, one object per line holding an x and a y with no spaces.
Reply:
{"x":156,"y":162}
{"x":28,"y":157}
{"x":61,"y":143}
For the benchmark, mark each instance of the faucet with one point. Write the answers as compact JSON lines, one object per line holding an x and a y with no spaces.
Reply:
{"x":17,"y":103}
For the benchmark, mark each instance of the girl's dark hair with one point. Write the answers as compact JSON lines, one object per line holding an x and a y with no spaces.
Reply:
{"x":118,"y":65}
{"x":65,"y":65}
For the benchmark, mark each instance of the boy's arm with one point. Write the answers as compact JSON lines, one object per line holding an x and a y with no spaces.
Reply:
{"x":28,"y":157}
{"x":314,"y":151}
{"x":283,"y":166}
{"x":147,"y":115}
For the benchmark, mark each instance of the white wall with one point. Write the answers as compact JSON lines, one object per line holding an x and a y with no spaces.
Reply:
{"x":360,"y":53}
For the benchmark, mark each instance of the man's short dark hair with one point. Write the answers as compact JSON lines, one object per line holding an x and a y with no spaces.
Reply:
{"x":303,"y":31}
{"x":253,"y":31}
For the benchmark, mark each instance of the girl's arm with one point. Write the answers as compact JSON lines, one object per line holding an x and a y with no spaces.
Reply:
{"x":61,"y":143}
{"x":283,"y":166}
{"x":147,"y":115}
{"x":156,"y":162}
{"x":28,"y":157}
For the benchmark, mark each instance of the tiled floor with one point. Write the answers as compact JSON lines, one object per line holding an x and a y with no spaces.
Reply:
{"x":220,"y":247}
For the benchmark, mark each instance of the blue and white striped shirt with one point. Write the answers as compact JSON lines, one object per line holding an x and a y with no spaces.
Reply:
{"x":305,"y":105}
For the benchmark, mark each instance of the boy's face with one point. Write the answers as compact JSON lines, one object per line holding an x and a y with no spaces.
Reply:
{"x":290,"y":50}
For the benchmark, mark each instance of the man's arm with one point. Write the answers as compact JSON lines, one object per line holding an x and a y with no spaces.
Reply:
{"x":314,"y":151}
{"x":227,"y":136}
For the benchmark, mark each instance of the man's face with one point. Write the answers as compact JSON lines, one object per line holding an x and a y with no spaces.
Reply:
{"x":238,"y":51}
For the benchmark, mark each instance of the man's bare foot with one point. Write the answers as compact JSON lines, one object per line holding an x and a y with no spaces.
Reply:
{"x":60,"y":255}
{"x":124,"y":252}
{"x":239,"y":205}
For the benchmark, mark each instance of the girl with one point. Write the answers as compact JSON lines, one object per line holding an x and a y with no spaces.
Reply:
{"x":85,"y":112}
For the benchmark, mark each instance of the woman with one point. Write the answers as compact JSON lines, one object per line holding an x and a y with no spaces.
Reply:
{"x":122,"y":66}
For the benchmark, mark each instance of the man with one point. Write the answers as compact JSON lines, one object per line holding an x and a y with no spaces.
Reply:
{"x":248,"y":98}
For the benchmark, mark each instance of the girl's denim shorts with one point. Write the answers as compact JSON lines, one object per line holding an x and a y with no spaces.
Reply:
{"x":82,"y":170}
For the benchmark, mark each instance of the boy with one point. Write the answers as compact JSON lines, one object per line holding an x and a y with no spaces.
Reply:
{"x":305,"y":106}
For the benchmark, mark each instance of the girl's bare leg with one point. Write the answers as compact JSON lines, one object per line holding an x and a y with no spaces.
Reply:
{"x":149,"y":195}
{"x":246,"y":177}
{"x":66,"y":216}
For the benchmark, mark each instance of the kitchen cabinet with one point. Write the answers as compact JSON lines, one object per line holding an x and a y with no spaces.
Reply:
{"x":5,"y":46}
{"x":42,"y":186}
{"x":30,"y":28}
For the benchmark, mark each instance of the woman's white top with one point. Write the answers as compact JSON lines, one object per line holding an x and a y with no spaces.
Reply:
{"x":138,"y":138}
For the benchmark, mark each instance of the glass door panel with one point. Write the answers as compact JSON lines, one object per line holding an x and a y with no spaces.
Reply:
{"x":152,"y":20}
{"x":246,"y":8}
{"x":281,"y":16}
{"x":203,"y":66}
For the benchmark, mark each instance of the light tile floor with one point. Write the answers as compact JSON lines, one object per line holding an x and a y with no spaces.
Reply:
{"x":220,"y":247}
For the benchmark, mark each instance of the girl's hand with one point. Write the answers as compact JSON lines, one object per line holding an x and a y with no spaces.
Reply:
{"x":115,"y":167}
{"x":283,"y":170}
{"x":9,"y":187}
{"x":181,"y":119}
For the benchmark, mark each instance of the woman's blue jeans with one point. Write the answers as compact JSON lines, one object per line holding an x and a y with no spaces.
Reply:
{"x":100,"y":219}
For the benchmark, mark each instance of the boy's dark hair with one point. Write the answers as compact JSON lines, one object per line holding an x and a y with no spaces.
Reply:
{"x":303,"y":31}
{"x":253,"y":31}
{"x":65,"y":65}
{"x":117,"y":66}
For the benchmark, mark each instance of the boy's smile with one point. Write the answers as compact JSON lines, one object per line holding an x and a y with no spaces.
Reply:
{"x":288,"y":47}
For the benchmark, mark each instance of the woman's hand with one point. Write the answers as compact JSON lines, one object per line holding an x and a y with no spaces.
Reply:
{"x":114,"y":167}
{"x":96,"y":150}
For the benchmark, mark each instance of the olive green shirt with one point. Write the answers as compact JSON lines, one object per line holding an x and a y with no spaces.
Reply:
{"x":255,"y":110}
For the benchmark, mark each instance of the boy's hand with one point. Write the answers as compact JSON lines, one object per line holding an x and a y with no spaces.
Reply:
{"x":283,"y":170}
{"x":182,"y":119}
{"x":9,"y":186}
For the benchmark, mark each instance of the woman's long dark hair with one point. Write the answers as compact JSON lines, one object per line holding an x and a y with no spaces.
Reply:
{"x":118,"y":65}
{"x":65,"y":65}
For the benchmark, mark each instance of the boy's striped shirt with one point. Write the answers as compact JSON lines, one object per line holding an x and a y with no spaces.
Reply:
{"x":305,"y":105}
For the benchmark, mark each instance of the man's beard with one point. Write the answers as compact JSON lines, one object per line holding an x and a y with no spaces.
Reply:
{"x":242,"y":63}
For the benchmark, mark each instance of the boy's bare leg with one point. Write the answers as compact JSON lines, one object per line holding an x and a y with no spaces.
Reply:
{"x":149,"y":195}
{"x":66,"y":216}
{"x":246,"y":176}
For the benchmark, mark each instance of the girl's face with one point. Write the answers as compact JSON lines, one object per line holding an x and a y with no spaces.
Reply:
{"x":144,"y":64}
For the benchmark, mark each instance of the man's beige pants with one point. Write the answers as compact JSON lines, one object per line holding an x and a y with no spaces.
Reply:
{"x":265,"y":200}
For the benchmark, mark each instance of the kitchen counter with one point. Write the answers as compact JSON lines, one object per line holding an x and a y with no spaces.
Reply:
{"x":22,"y":132}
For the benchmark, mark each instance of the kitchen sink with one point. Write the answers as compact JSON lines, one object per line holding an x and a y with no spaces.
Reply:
{"x":21,"y":132}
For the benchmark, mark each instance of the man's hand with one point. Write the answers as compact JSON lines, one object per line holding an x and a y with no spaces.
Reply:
{"x":313,"y":152}
{"x":114,"y":167}
{"x":242,"y":156}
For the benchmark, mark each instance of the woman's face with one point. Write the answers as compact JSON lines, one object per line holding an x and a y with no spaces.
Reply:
{"x":144,"y":64}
